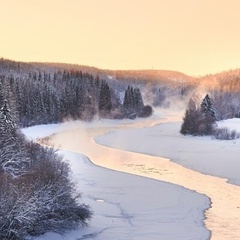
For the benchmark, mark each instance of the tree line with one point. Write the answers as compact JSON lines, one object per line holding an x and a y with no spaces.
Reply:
{"x":37,"y":194}
{"x":201,"y":119}
{"x":42,"y":98}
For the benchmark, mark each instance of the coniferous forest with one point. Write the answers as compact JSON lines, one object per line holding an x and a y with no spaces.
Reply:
{"x":41,"y":98}
{"x":37,"y":194}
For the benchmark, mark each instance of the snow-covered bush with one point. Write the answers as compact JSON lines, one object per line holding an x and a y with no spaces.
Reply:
{"x":225,"y":134}
{"x":41,"y":200}
{"x":36,"y":194}
{"x":146,"y":111}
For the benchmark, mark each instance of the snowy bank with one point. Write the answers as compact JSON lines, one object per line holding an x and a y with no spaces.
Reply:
{"x":131,"y":207}
{"x":127,"y":206}
{"x":203,"y":154}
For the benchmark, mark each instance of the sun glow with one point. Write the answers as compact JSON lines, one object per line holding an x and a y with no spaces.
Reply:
{"x":195,"y":37}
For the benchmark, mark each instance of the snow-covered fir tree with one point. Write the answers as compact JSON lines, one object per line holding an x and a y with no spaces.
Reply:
{"x":138,"y":101}
{"x":6,"y":117}
{"x":105,"y":103}
{"x":133,"y":99}
{"x":13,"y":156}
{"x":207,"y":107}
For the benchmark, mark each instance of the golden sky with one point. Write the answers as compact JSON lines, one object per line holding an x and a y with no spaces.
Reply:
{"x":192,"y":36}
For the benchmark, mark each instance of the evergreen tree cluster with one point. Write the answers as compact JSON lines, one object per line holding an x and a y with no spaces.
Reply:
{"x":133,"y":104}
{"x":133,"y":99}
{"x":199,"y":120}
{"x":42,"y":98}
{"x":36,"y":194}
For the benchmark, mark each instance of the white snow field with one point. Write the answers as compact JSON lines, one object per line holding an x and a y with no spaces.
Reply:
{"x":132,"y":207}
{"x":203,"y":154}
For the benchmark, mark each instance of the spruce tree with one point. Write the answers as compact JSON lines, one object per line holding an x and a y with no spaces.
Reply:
{"x":6,"y":119}
{"x":207,"y":107}
{"x":1,"y":93}
{"x":105,"y":103}
{"x":13,"y":156}
{"x":126,"y":102}
{"x":138,"y":101}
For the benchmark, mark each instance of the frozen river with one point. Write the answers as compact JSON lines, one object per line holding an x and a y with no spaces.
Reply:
{"x":222,"y":218}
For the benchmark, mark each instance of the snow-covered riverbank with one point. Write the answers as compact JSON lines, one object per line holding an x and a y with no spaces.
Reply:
{"x":125,"y":206}
{"x":203,"y":154}
{"x":118,"y":189}
{"x":131,"y":207}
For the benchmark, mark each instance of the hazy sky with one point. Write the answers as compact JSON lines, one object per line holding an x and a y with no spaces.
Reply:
{"x":193,"y":36}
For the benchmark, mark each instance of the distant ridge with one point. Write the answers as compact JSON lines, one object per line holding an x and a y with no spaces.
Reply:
{"x":152,"y":75}
{"x":17,"y":67}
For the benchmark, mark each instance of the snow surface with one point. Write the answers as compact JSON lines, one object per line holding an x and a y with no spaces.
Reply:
{"x":131,"y":207}
{"x":203,"y":154}
{"x":128,"y":206}
{"x":233,"y":124}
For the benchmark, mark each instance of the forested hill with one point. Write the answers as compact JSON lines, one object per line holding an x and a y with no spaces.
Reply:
{"x":14,"y":67}
{"x":227,"y":80}
{"x":154,"y":76}
{"x":49,"y":93}
{"x":40,"y":93}
{"x":37,"y":194}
